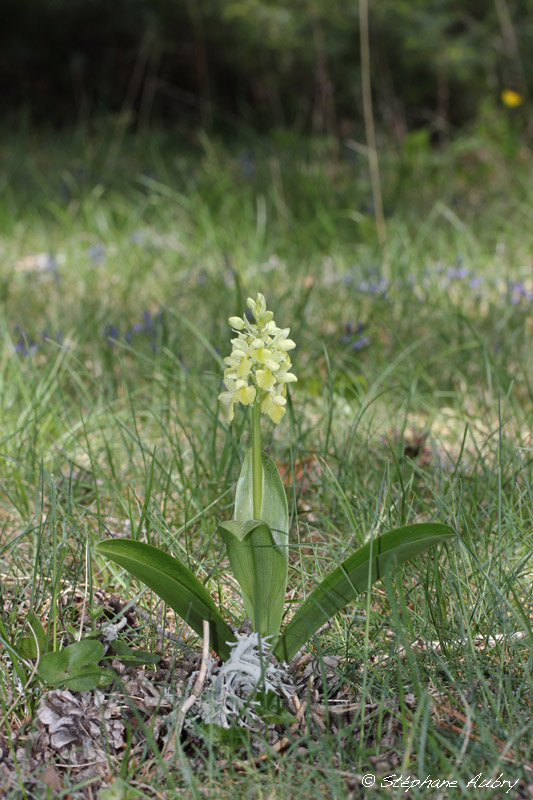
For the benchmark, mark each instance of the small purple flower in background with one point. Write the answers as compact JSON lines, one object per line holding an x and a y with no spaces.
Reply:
{"x":149,"y":327}
{"x":459,"y":273}
{"x":148,"y":321}
{"x":378,"y":287}
{"x":350,"y":332}
{"x":352,"y":336}
{"x":373,"y":283}
{"x":363,"y":341}
{"x":25,"y":346}
{"x":517,"y":292}
{"x":475,"y":282}
{"x":111,"y":333}
{"x":146,"y":325}
{"x":20,"y":347}
{"x":97,"y":253}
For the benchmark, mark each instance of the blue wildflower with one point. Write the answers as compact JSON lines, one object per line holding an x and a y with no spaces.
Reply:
{"x":111,"y":333}
{"x":363,"y":341}
{"x":517,"y":292}
{"x":24,"y":345}
{"x":457,"y":272}
{"x":97,"y":253}
{"x":350,"y":332}
{"x":352,"y":336}
{"x":148,"y":321}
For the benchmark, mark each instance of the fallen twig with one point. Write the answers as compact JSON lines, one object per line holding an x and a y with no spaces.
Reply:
{"x":196,"y":691}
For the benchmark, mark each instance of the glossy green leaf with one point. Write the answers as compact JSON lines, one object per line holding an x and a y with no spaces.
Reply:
{"x":260,"y":567}
{"x":75,"y":667}
{"x":175,"y":584}
{"x":354,"y":575}
{"x":259,"y":553}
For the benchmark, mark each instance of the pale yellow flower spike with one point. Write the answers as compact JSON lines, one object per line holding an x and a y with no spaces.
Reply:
{"x":259,"y":365}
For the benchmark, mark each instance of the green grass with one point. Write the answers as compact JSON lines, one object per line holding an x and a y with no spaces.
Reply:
{"x":110,"y":422}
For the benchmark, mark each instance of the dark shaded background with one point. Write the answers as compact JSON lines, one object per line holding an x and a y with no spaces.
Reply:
{"x":260,"y":63}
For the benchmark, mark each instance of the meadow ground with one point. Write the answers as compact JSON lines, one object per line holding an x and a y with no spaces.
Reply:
{"x":121,"y":259}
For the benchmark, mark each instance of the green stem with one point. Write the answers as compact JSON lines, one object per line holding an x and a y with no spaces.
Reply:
{"x":257,"y":464}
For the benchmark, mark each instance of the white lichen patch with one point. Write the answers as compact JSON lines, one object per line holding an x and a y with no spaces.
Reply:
{"x":230,"y":689}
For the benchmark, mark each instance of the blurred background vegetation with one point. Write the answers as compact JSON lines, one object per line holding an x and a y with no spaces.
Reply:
{"x":160,"y":160}
{"x":262,"y":64}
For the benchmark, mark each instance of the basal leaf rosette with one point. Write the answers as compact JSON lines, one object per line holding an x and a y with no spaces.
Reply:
{"x":259,"y":365}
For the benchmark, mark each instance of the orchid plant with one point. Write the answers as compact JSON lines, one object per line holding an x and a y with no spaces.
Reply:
{"x":257,"y":539}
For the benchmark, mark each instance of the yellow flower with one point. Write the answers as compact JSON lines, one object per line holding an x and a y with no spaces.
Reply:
{"x":259,"y":365}
{"x":244,"y":367}
{"x":511,"y":99}
{"x":265,"y":379}
{"x":262,"y":355}
{"x":246,"y":395}
{"x":274,"y":411}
